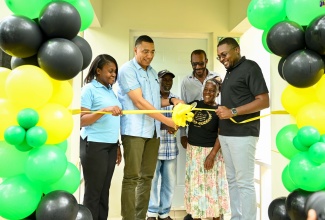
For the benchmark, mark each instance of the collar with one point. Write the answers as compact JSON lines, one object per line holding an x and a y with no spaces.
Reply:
{"x":136,"y":64}
{"x":97,"y":84}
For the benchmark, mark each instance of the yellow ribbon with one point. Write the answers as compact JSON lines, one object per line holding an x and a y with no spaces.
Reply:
{"x":78,"y":111}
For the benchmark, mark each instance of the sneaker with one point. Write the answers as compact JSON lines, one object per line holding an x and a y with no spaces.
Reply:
{"x":168,"y":218}
{"x":188,"y":217}
{"x":151,"y":218}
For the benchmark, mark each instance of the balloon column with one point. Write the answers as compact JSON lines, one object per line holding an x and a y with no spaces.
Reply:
{"x":293,"y":30}
{"x":42,"y":38}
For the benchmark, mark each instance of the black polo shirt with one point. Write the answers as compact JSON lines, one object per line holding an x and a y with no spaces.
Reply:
{"x":240,"y":86}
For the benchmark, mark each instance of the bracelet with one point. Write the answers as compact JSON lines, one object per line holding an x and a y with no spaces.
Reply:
{"x":170,"y":101}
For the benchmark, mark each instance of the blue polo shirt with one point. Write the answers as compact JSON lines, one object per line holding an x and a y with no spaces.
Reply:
{"x":95,"y":96}
{"x":132,"y":76}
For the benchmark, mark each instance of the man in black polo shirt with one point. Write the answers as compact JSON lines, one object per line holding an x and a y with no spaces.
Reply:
{"x":243,"y":94}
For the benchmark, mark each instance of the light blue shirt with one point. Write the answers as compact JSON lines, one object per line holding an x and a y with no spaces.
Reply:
{"x":132,"y":76}
{"x":95,"y":96}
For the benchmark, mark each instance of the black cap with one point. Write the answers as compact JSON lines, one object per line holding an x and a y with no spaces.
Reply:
{"x":164,"y":72}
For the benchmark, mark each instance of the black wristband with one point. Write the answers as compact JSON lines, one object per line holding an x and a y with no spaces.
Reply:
{"x":170,"y":101}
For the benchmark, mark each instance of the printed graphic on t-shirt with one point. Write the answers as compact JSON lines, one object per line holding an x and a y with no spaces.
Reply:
{"x":201,"y":118}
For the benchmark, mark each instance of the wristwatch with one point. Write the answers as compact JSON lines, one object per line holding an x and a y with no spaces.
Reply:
{"x":234,"y":111}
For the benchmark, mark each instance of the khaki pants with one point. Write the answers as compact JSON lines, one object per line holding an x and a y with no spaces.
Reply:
{"x":140,"y":157}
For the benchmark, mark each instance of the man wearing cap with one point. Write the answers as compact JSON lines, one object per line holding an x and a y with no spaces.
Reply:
{"x":161,"y":200}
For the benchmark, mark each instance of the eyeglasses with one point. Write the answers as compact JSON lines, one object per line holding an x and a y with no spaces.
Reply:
{"x":223,"y":55}
{"x":197,"y":64}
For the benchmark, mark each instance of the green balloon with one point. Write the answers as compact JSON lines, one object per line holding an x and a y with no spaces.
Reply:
{"x":69,"y":182}
{"x":303,"y":11}
{"x":86,"y":12}
{"x":317,"y":152}
{"x":306,"y":174}
{"x":264,"y":42}
{"x":287,"y":181}
{"x":322,"y":138}
{"x":28,"y":8}
{"x":23,"y":146}
{"x":36,"y":136}
{"x":15,"y":135}
{"x":63,"y":145}
{"x":308,"y":135}
{"x":46,"y":164}
{"x":298,"y":145}
{"x":284,"y":140}
{"x":27,"y":118}
{"x":263,"y":14}
{"x":19,"y":197}
{"x":12,"y":161}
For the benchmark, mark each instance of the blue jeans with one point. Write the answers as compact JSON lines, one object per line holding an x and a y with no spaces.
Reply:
{"x":239,"y":156}
{"x":161,"y":197}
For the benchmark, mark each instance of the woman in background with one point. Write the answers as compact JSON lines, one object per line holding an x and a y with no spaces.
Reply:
{"x":99,"y":138}
{"x":206,"y":187}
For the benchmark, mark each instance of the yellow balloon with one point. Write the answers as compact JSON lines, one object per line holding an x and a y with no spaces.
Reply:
{"x":57,"y":121}
{"x":28,"y":86}
{"x":320,"y":90}
{"x":8,"y":116}
{"x":62,"y":93}
{"x":4,"y":72}
{"x":294,"y":98}
{"x":312,"y":114}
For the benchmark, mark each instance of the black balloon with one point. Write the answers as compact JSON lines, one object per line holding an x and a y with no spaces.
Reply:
{"x":316,"y":201}
{"x":85,"y":50}
{"x":56,"y":205}
{"x":303,"y":68}
{"x":295,"y":204}
{"x":16,"y":61}
{"x":20,"y":36}
{"x":280,"y":66}
{"x":285,"y":37}
{"x":84,"y":213}
{"x":60,"y":58}
{"x":60,"y":20}
{"x":277,"y":210}
{"x":315,"y":35}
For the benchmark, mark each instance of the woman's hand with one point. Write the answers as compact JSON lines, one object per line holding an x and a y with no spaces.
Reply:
{"x":119,"y":155}
{"x":115,"y":110}
{"x":209,"y":162}
{"x":184,"y":141}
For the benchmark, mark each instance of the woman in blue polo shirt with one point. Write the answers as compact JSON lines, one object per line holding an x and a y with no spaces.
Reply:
{"x":99,"y":145}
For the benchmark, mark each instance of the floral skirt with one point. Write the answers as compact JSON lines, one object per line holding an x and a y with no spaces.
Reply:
{"x":206,"y":191}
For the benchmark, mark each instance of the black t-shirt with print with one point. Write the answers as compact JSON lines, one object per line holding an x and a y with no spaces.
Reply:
{"x":203,"y":130}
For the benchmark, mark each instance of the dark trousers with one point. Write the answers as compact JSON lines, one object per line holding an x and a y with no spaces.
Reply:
{"x":140,"y":157}
{"x":98,"y":163}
